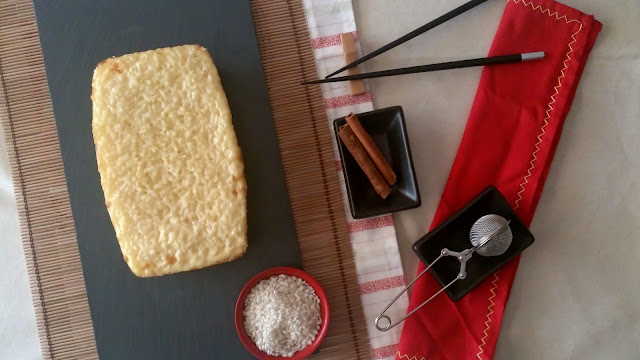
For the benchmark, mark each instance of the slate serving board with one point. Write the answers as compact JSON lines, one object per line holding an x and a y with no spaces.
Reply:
{"x":187,"y":315}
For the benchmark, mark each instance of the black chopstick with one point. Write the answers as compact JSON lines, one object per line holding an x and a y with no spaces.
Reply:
{"x":422,"y":29}
{"x":492,"y":60}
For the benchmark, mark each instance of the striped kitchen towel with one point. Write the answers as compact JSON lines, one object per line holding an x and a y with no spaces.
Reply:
{"x":375,"y":247}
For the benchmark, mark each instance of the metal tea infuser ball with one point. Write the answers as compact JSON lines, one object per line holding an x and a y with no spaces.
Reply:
{"x":490,"y":236}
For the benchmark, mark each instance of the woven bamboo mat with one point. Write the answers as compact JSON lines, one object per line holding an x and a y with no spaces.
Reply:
{"x":46,"y":224}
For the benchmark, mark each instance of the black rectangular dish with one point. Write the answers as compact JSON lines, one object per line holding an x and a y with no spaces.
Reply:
{"x":388,"y":130}
{"x":453,"y":234}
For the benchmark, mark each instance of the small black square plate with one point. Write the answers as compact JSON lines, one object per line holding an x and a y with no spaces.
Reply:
{"x":389,"y":132}
{"x":453,"y":234}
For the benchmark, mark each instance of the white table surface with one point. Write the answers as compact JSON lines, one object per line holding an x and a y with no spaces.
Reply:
{"x":576,"y":295}
{"x":18,"y":332}
{"x":576,"y":292}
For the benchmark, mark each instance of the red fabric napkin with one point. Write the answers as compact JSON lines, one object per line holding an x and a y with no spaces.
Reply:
{"x":509,"y":141}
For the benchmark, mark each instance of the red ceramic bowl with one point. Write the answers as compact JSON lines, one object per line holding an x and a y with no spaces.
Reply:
{"x":324,"y":313}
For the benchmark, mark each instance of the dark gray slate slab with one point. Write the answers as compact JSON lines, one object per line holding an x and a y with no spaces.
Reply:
{"x":187,"y":315}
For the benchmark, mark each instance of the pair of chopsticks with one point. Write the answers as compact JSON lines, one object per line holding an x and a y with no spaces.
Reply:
{"x":492,"y":60}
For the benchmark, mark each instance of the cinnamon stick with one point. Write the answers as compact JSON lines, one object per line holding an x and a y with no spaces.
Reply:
{"x":371,"y":148}
{"x":362,"y":158}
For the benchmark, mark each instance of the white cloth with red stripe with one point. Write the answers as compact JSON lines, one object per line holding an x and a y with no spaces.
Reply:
{"x":374,"y":242}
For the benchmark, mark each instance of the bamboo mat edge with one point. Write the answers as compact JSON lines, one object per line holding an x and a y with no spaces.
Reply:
{"x":316,"y":199}
{"x":48,"y":233}
{"x":46,"y":224}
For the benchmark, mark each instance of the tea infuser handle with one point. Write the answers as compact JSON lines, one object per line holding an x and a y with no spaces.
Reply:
{"x":462,"y":257}
{"x":461,"y":275}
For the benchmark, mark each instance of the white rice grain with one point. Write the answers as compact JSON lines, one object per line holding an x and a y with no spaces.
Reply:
{"x":282,"y":315}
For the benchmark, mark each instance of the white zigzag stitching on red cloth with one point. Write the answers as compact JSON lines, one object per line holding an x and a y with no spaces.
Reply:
{"x":405,"y":356}
{"x":532,"y":163}
{"x":489,"y":313}
{"x":525,"y":180}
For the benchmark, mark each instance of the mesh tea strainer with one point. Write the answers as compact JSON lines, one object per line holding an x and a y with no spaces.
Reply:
{"x":490,"y":235}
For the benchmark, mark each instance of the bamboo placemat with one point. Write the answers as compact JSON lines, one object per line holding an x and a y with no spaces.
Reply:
{"x":309,"y":168}
{"x":46,"y":223}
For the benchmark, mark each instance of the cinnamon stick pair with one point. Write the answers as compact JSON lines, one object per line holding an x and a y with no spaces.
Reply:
{"x":367,"y":155}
